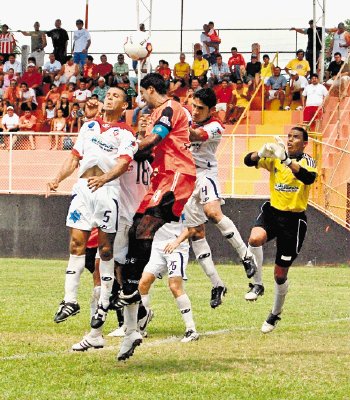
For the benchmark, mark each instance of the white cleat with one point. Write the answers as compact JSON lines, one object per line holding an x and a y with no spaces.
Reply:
{"x":89,"y":343}
{"x":287,"y":108}
{"x":299,"y":108}
{"x":190,"y":336}
{"x":270,"y":324}
{"x":143,"y":322}
{"x":119,"y":332}
{"x":130,"y":342}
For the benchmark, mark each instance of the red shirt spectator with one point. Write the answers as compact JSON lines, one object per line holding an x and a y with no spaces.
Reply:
{"x":236,"y":59}
{"x":104,"y":68}
{"x":224,"y":93}
{"x":32,"y":77}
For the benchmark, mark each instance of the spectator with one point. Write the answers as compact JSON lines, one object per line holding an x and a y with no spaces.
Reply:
{"x":58,"y":125}
{"x":340,"y":42}
{"x":188,"y":100}
{"x":219,"y":71}
{"x":33,"y":79}
{"x":214,"y":37}
{"x":332,"y":72}
{"x":120,"y":70}
{"x":81,"y":44}
{"x":195,"y":85}
{"x":64,"y":105}
{"x":51,"y":69}
{"x":7,"y":42}
{"x":1,"y":63}
{"x":75,"y":118}
{"x":297,"y":84}
{"x":105,"y":70}
{"x":69,"y":92}
{"x":200,"y":68}
{"x":315,"y":94}
{"x":310,"y":42}
{"x":13,"y":63}
{"x":236,"y":64}
{"x":140,"y":106}
{"x":54,"y":95}
{"x":49,"y":113}
{"x":28,"y":98}
{"x":240,"y":100}
{"x":26,"y":124}
{"x":12,"y":95}
{"x":181,"y":74}
{"x":81,"y":95}
{"x":93,"y":108}
{"x":277,"y":84}
{"x":130,"y":94}
{"x":68,"y":73}
{"x":267,"y":68}
{"x":8,"y":78}
{"x":164,"y":70}
{"x":10,"y":123}
{"x":298,"y":64}
{"x":60,"y":39}
{"x":224,"y":98}
{"x":208,"y":50}
{"x":38,"y":43}
{"x":101,"y":89}
{"x":253,"y":70}
{"x":90,"y":74}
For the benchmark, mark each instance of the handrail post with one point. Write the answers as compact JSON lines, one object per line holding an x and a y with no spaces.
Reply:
{"x":10,"y":163}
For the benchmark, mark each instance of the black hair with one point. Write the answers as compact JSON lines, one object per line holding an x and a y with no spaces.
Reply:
{"x":303,"y":131}
{"x":266,"y":55}
{"x":207,"y":96}
{"x":218,"y":55}
{"x":337,"y":54}
{"x":233,"y":48}
{"x":176,"y":98}
{"x":90,"y":58}
{"x":314,"y":75}
{"x":25,"y":84}
{"x":94,"y":96}
{"x":155,"y":80}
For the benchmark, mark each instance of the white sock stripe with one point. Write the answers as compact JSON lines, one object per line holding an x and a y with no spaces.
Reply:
{"x":176,"y":178}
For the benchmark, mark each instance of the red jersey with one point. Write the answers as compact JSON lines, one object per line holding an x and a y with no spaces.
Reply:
{"x":90,"y":71}
{"x":236,"y":60}
{"x":7,"y":43}
{"x":104,"y":69}
{"x":224,"y":95}
{"x":172,"y":153}
{"x":32,"y":79}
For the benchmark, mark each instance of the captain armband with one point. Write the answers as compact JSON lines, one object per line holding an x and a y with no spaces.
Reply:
{"x":160,"y":130}
{"x":305,"y":176}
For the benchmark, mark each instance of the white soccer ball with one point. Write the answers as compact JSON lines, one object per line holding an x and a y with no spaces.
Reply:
{"x":137,"y":46}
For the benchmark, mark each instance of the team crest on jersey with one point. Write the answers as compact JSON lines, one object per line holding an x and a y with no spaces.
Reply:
{"x":91,"y":124}
{"x":75,"y":216}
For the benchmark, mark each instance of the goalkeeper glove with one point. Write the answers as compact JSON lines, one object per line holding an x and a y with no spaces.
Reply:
{"x":281,"y":152}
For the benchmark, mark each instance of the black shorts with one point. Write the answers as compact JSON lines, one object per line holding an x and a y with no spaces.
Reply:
{"x":296,"y":95}
{"x":287,"y":227}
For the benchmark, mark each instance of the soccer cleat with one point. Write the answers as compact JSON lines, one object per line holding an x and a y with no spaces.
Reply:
{"x":190,"y":336}
{"x":89,"y":343}
{"x":254,"y":291}
{"x":122,"y":299}
{"x":143,"y":322}
{"x":119,"y":332}
{"x":270,"y":324}
{"x":287,"y":108}
{"x":99,"y":318}
{"x":249,"y":266}
{"x":66,"y":310}
{"x":299,"y":108}
{"x":130,"y":342}
{"x":217,"y":294}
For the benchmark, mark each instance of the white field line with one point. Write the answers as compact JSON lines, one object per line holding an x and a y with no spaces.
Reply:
{"x":168,"y":340}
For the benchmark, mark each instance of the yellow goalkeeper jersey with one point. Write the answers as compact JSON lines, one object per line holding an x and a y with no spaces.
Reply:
{"x":287,"y":192}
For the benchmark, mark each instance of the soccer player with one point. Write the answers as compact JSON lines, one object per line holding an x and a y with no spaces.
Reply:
{"x":165,"y":260}
{"x":205,"y":202}
{"x":103,"y":148}
{"x":283,"y":217}
{"x":171,"y":186}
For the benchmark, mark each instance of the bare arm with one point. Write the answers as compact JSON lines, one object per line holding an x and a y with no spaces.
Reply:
{"x":67,"y":168}
{"x":170,"y":247}
{"x":149,"y":142}
{"x":197,"y":135}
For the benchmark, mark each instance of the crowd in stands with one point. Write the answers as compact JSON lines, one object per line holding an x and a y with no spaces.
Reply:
{"x":60,"y":94}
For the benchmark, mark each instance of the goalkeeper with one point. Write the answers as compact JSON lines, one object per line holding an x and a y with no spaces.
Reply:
{"x":283,"y":217}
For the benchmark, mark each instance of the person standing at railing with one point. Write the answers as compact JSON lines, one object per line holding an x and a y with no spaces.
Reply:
{"x":38,"y":43}
{"x":60,"y":39}
{"x":81,"y":44}
{"x":7,"y":42}
{"x":283,"y":218}
{"x":312,"y":98}
{"x":341,"y":42}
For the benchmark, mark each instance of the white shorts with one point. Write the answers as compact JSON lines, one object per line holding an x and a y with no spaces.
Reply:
{"x":221,"y":107}
{"x":173,"y":264}
{"x":94,"y":209}
{"x":272,"y":94}
{"x":207,"y":189}
{"x":121,"y":241}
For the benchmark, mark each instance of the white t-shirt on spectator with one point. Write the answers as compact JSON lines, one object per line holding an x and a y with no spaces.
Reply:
{"x":82,"y":95}
{"x":299,"y":84}
{"x":52,"y":67}
{"x":28,"y":94}
{"x":315,"y":94}
{"x":10,"y":122}
{"x":17,"y":67}
{"x":81,"y":36}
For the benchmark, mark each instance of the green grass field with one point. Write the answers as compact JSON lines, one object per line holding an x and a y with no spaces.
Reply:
{"x":306,"y":357}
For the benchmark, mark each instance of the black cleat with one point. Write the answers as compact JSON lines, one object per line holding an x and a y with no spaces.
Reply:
{"x":99,"y":318}
{"x":270,"y":324}
{"x":66,"y":310}
{"x":217,"y":294}
{"x":249,"y":266}
{"x":254,"y":292}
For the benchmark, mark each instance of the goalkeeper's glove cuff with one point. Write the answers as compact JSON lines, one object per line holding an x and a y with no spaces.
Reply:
{"x":287,"y":161}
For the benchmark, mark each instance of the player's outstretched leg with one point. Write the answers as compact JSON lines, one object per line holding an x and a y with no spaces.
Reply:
{"x":204,"y":257}
{"x":93,"y":340}
{"x":132,"y":337}
{"x":256,"y":289}
{"x":69,"y":306}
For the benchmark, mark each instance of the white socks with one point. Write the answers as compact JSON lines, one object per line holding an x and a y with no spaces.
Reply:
{"x":130,"y":318}
{"x":184,"y":304}
{"x":229,"y":230}
{"x":107,"y":278}
{"x":202,"y":252}
{"x":94,"y":299}
{"x":75,"y":268}
{"x":146,"y":300}
{"x":280,"y":296}
{"x":259,"y":257}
